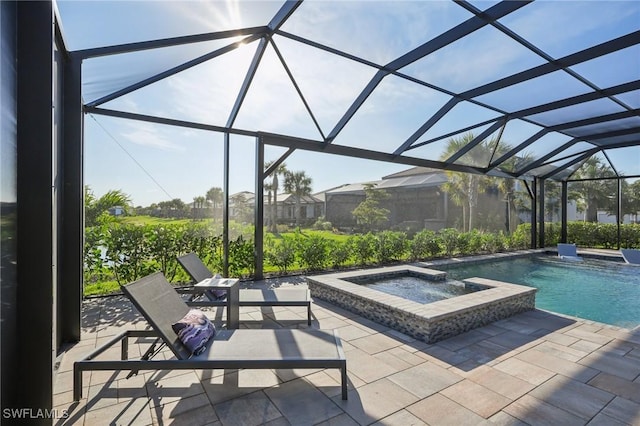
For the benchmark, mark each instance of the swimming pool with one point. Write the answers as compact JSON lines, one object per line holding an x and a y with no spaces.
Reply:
{"x":598,"y":290}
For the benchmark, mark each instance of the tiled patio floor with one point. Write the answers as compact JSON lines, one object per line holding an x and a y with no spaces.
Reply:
{"x":535,"y":368}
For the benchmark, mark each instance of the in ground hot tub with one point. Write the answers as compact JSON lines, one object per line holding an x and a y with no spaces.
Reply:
{"x":487,"y":301}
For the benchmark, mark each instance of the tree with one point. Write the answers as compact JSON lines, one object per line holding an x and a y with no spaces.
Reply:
{"x":241,"y":209}
{"x":632,"y":196}
{"x":95,"y":207}
{"x":268,"y":187}
{"x":214,"y":195}
{"x":591,"y":195}
{"x":368,"y":213}
{"x":198,"y":204}
{"x":552,"y":202}
{"x":464,"y":188}
{"x":281,"y":170}
{"x":516,"y":196}
{"x":299,"y":185}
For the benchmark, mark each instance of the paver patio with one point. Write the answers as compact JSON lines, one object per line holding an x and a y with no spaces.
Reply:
{"x":534,"y":368}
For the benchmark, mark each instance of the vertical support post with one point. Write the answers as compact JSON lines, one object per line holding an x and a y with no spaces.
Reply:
{"x":534,"y":214}
{"x":124,"y":349}
{"x":9,"y":316}
{"x":565,"y":204}
{"x":619,"y":211}
{"x":258,"y":239}
{"x":542,"y":242}
{"x":36,"y":230}
{"x":71,"y":284}
{"x":225,"y":209}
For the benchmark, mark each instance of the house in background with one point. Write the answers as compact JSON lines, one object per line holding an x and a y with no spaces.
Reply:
{"x":311,"y":208}
{"x":116,"y":211}
{"x":242,"y":204}
{"x":415,"y":200}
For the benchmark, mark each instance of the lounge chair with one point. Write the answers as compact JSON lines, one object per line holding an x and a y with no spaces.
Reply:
{"x":249,"y":297}
{"x":631,"y":256}
{"x":568,"y":252}
{"x":162,"y":306}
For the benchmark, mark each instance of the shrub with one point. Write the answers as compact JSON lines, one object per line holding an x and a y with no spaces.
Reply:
{"x":338,"y":253}
{"x":164,"y":245}
{"x":241,"y":257}
{"x":126,"y":251}
{"x":630,"y":235}
{"x":424,"y":244}
{"x":312,"y":252}
{"x":494,"y":243}
{"x":95,"y":268}
{"x":362,"y":247}
{"x":449,"y":240}
{"x":390,"y":246}
{"x":520,"y":239}
{"x":282,"y":254}
{"x":473,"y":242}
{"x":322,"y":224}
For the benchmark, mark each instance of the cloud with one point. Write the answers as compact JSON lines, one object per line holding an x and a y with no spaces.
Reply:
{"x":222,"y":15}
{"x":147,"y":135}
{"x":560,"y":28}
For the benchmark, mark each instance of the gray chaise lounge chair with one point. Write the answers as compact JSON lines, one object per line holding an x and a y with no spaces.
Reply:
{"x":631,"y":256}
{"x":250,"y":297}
{"x":162,"y":306}
{"x":568,"y":252}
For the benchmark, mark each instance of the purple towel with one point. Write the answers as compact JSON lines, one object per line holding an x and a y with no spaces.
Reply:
{"x":194,"y":330}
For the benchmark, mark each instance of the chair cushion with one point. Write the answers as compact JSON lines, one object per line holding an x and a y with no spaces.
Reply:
{"x":194,"y":331}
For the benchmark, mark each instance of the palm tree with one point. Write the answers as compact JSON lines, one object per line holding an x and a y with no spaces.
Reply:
{"x":514,"y":197}
{"x":274,"y":186}
{"x":215,"y":196}
{"x":269,"y":188}
{"x":198,"y":203}
{"x":464,"y":188}
{"x":94,"y":207}
{"x":299,"y":185}
{"x":590,"y":195}
{"x":632,"y":196}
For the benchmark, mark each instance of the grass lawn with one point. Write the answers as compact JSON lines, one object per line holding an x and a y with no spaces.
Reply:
{"x":329,"y":235}
{"x":148,"y":220}
{"x":101,"y":288}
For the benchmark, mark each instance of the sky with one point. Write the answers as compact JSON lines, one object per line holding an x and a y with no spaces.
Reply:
{"x":154,"y":163}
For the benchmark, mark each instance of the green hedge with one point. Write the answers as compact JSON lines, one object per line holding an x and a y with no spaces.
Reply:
{"x":124,"y":252}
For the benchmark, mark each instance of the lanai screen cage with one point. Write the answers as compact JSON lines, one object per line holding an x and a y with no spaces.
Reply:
{"x":543,"y":95}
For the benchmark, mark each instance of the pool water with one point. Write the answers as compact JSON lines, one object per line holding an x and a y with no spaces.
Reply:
{"x":602,"y":291}
{"x":417,"y":289}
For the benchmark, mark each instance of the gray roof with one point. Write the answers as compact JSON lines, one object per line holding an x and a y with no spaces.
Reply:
{"x":290,"y":198}
{"x":428,"y":179}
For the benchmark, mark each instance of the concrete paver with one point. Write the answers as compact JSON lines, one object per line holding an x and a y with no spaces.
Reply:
{"x":534,"y":368}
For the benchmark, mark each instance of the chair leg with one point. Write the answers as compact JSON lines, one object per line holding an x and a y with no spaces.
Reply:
{"x":309,"y":314}
{"x":343,"y":374}
{"x":77,"y":383}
